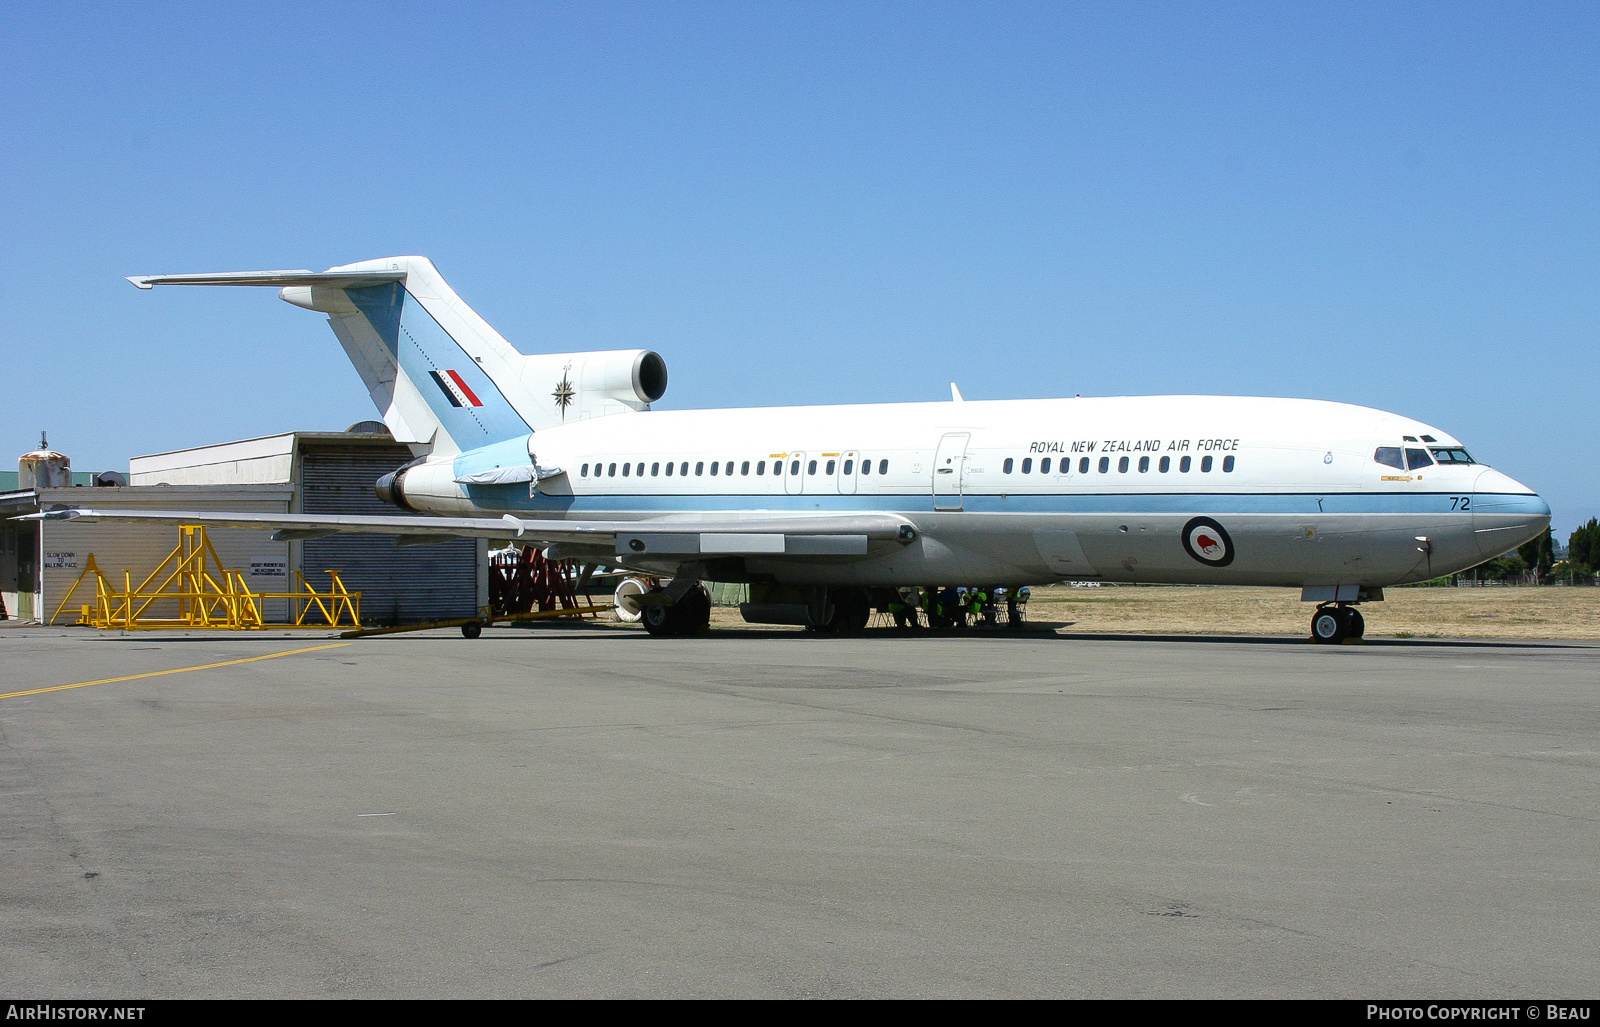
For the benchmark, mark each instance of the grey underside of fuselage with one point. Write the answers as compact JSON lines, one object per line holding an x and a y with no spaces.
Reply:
{"x":1291,"y":550}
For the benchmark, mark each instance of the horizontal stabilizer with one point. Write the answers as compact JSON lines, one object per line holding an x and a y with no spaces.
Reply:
{"x":335,"y":279}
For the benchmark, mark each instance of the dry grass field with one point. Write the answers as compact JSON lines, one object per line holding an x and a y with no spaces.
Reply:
{"x":1509,"y":612}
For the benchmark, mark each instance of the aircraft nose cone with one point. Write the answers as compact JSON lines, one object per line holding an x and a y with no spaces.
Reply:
{"x":1506,"y":513}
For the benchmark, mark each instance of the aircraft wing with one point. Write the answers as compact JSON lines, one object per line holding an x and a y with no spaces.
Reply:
{"x":776,"y":535}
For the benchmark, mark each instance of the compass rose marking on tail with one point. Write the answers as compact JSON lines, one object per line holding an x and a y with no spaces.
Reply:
{"x":564,"y":392}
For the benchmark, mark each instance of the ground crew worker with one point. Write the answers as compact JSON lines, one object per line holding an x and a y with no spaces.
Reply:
{"x":950,"y":608}
{"x":903,"y":610}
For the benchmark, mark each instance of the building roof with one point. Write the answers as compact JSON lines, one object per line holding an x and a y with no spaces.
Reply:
{"x":265,"y":460}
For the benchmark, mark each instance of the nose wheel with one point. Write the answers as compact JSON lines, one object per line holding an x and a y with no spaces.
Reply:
{"x":1334,"y":623}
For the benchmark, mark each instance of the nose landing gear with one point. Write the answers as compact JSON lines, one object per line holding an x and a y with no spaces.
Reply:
{"x":1335,"y":622}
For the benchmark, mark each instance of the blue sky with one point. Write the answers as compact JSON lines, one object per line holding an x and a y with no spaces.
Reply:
{"x":795,"y":203}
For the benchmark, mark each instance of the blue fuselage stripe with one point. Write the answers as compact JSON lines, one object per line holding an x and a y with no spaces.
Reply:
{"x":516,"y":498}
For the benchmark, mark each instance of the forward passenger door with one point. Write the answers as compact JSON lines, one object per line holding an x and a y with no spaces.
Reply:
{"x":949,"y":467}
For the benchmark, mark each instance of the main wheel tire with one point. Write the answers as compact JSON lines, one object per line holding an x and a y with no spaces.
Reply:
{"x":690,"y":615}
{"x":471,"y":629}
{"x":852,"y":609}
{"x":1330,"y":626}
{"x":658,"y":618}
{"x":694,"y":611}
{"x":1358,"y":625}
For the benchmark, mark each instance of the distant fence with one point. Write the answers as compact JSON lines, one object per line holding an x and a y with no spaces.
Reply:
{"x":1523,"y":580}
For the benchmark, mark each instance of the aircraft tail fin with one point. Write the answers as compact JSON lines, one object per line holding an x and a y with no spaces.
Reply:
{"x":446,"y":381}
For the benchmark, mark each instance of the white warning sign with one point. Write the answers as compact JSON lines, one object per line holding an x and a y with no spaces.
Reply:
{"x":269,"y":567}
{"x":60,"y":561}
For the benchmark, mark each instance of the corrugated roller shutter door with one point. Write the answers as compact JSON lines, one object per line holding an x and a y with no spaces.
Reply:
{"x":397,"y":584}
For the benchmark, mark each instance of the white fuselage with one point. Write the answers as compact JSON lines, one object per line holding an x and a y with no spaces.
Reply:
{"x":1027,"y":491}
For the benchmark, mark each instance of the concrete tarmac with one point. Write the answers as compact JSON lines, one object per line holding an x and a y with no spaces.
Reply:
{"x":593,"y":812}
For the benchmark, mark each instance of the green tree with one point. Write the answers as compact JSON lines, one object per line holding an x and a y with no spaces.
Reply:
{"x":1539,"y":554}
{"x":1583,"y":547}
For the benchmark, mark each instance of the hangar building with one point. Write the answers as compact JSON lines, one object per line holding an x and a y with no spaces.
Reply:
{"x":296,"y":472}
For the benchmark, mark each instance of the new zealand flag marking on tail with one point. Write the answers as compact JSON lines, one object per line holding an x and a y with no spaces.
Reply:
{"x":456,"y":390}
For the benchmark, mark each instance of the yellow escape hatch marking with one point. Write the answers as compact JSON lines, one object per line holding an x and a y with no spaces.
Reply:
{"x":175,"y":670}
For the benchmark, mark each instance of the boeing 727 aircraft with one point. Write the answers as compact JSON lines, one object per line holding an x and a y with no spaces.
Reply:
{"x":826,"y":510}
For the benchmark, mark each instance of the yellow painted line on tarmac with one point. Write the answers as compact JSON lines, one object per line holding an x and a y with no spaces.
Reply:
{"x":177,"y":670}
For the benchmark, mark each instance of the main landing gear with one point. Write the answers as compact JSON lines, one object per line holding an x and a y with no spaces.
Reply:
{"x":848,"y":610}
{"x":1335,"y":622}
{"x":690,"y":615}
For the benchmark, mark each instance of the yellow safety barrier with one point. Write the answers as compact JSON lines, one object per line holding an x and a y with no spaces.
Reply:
{"x":207,"y":594}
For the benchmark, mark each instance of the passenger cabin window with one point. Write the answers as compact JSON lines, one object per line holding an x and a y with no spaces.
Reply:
{"x":1389,"y":456}
{"x":625,"y":468}
{"x":683,"y":469}
{"x":1105,"y":464}
{"x":1044,"y":466}
{"x":744,"y":468}
{"x":699,"y":468}
{"x":728,"y":468}
{"x":829,"y":468}
{"x":1227,"y":465}
{"x":1418,"y":458}
{"x":1083,"y":465}
{"x":655,"y":470}
{"x":866,"y":467}
{"x":1205,"y":465}
{"x":761,"y":467}
{"x":611,"y":472}
{"x":811,"y":468}
{"x":1144,"y":464}
{"x":1122,"y":466}
{"x":585,"y":472}
{"x":883,"y":467}
{"x":714,"y":466}
{"x":849,"y":466}
{"x":1005,"y":468}
{"x":794,"y":467}
{"x":1452,"y":456}
{"x":1183,"y":465}
{"x":1166,"y":464}
{"x":669,"y":468}
{"x":640,"y":469}
{"x":1027,"y":465}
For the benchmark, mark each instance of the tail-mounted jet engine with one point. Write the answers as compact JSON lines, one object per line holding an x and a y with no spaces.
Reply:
{"x":583,"y":385}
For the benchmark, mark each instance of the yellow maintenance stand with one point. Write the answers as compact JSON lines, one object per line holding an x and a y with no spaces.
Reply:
{"x":206,"y":594}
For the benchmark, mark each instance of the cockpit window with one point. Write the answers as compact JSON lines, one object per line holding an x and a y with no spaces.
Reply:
{"x":1452,"y":456}
{"x":1390,"y":456}
{"x":1416,"y":458}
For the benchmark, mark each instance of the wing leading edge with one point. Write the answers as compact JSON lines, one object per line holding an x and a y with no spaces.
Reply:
{"x":821,"y":535}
